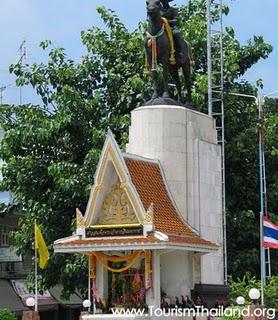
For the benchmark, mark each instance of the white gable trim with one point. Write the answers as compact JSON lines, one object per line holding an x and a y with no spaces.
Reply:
{"x":112,"y":152}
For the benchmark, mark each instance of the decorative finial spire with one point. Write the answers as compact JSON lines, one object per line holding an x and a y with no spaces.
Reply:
{"x":149,"y":215}
{"x":80,"y":222}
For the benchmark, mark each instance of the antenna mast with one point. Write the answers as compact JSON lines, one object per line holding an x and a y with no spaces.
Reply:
{"x":22,"y":59}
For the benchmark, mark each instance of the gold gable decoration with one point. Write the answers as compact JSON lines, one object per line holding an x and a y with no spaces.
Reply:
{"x":117,"y":209}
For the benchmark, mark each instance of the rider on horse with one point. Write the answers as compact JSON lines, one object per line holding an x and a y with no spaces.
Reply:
{"x":166,"y":47}
{"x":171,"y":14}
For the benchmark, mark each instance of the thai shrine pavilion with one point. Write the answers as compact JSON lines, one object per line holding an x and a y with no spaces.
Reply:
{"x":153,"y":223}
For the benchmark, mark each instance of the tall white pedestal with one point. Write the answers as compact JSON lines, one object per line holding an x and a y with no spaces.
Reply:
{"x":185,"y":143}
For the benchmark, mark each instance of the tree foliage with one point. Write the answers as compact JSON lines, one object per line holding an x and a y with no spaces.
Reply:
{"x":6,"y":314}
{"x":242,"y":183}
{"x":240,"y":287}
{"x":51,"y":150}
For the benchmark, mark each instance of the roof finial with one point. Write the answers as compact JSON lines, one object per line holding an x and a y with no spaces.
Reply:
{"x":149,"y":215}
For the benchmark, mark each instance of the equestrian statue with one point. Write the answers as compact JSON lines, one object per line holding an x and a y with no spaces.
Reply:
{"x":164,"y":45}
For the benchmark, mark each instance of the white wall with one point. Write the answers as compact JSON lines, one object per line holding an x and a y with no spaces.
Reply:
{"x":177,"y":274}
{"x":211,"y":211}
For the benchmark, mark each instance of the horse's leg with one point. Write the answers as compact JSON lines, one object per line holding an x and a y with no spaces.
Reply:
{"x":186,"y":72}
{"x":175,"y":75}
{"x":165,"y":79}
{"x":155,"y":84}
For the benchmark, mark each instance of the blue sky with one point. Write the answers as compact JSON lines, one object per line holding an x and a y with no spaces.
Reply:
{"x":62,"y":20}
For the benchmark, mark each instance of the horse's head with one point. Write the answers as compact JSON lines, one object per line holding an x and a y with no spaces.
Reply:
{"x":153,"y":6}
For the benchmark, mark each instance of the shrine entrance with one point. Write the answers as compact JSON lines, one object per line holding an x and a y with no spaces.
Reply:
{"x":129,"y":278}
{"x":126,"y":289}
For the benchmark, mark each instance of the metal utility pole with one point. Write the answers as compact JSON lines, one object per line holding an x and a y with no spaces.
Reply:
{"x":265,"y":253}
{"x":215,"y":66}
{"x":263,"y":203}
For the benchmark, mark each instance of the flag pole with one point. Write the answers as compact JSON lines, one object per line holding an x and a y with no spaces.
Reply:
{"x":262,"y":199}
{"x":36,"y":274}
{"x":89,"y":281}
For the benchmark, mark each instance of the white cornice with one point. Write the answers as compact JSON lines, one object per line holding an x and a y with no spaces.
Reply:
{"x":84,"y":248}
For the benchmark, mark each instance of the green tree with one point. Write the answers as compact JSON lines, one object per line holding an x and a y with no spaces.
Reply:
{"x":51,"y":150}
{"x":242,"y":182}
{"x":6,"y":314}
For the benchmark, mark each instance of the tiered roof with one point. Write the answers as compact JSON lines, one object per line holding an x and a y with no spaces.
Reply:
{"x":169,"y":230}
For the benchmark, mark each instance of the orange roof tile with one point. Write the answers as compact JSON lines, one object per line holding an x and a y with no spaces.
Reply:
{"x":149,"y":183}
{"x":108,"y":241}
{"x":196,"y":240}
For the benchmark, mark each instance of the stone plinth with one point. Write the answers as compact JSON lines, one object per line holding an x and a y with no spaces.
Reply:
{"x":30,"y":315}
{"x":185,"y":143}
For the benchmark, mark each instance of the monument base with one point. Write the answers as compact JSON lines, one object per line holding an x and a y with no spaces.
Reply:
{"x":210,"y":293}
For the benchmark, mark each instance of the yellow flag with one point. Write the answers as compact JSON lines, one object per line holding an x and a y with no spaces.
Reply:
{"x":41,"y":247}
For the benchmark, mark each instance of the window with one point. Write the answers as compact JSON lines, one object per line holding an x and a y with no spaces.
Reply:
{"x":5,"y":240}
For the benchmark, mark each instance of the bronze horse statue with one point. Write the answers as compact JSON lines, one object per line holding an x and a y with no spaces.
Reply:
{"x":158,"y":51}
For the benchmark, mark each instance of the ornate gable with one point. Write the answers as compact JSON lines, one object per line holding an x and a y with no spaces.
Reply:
{"x":114,"y":200}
